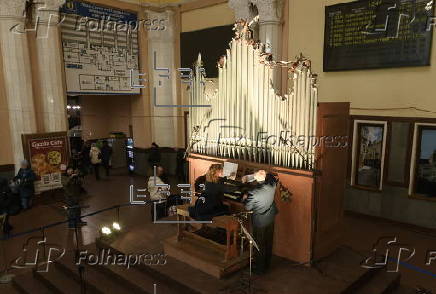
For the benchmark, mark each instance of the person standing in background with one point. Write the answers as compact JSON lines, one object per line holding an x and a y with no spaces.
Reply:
{"x":72,"y":189}
{"x":157,"y":193}
{"x":180,"y":167}
{"x":6,"y":202}
{"x":95,"y":157}
{"x":86,"y":160}
{"x":106,"y":154}
{"x":154,"y":157}
{"x":25,"y":179}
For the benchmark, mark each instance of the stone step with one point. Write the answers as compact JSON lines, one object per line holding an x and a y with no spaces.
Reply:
{"x":27,"y":284}
{"x":135,"y":280}
{"x":381,"y":283}
{"x":168,"y":275}
{"x":9,"y":289}
{"x":95,"y":280}
{"x":344,"y":265}
{"x":404,"y":290}
{"x":57,"y":281}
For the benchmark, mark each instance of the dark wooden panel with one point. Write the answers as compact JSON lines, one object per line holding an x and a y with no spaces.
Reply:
{"x":293,"y":224}
{"x":333,"y":120}
{"x":211,"y":43}
{"x":7,"y":168}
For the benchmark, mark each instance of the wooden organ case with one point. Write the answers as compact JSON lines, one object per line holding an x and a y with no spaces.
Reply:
{"x":303,"y":141}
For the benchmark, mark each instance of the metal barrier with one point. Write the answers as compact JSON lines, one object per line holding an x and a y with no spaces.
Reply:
{"x":6,"y":278}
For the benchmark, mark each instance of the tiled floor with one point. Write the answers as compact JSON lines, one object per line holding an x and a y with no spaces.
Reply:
{"x":360,"y":232}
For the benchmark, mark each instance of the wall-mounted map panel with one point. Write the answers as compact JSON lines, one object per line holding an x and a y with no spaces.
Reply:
{"x":100,"y":47}
{"x":377,"y":34}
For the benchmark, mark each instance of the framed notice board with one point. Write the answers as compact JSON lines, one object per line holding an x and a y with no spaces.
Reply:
{"x":378,"y":34}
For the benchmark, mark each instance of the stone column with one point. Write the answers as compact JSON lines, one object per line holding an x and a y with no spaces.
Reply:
{"x":244,"y":10}
{"x":162,"y":74}
{"x":270,"y":30}
{"x":17,"y":73}
{"x":270,"y":13}
{"x":50,"y":69}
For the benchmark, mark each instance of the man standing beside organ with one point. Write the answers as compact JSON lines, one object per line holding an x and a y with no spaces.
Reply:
{"x":260,"y":201}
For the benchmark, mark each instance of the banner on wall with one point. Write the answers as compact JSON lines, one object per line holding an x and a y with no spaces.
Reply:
{"x":100,"y":48}
{"x":48,"y":155}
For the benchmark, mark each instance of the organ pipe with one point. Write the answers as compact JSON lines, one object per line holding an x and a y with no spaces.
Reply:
{"x":247,"y":119}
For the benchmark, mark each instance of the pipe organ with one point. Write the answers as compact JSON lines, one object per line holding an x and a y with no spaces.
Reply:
{"x":246,"y":118}
{"x":240,"y":118}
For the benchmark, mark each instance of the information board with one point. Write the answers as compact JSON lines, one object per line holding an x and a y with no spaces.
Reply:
{"x":100,"y":48}
{"x":378,"y":34}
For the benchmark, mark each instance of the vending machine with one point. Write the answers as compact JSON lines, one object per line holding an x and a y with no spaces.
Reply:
{"x":130,"y":154}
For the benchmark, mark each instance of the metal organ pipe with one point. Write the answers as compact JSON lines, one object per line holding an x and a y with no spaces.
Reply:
{"x":248,"y":119}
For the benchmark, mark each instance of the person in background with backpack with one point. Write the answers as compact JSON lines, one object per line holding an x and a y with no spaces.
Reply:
{"x":95,"y":157}
{"x":72,"y":183}
{"x":158,"y":192}
{"x":25,"y":179}
{"x":6,"y":204}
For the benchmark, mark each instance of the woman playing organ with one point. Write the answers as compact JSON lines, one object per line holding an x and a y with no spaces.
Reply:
{"x":210,"y":202}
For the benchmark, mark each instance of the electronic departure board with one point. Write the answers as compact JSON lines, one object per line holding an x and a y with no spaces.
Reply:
{"x":378,"y":34}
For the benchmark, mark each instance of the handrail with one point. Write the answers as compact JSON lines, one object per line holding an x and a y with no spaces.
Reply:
{"x":7,"y":237}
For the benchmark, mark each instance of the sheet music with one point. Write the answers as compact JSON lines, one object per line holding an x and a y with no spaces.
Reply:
{"x":230,"y":169}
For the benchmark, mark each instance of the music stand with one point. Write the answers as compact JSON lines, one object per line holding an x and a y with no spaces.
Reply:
{"x":244,"y":285}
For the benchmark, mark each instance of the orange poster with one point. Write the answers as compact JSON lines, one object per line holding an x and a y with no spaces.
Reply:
{"x":48,"y":155}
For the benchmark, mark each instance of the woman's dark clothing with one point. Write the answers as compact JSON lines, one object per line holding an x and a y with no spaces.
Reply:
{"x":201,"y":180}
{"x":26,"y":177}
{"x":210,"y":203}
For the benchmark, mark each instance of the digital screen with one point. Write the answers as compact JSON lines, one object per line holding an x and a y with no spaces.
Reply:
{"x":377,"y":34}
